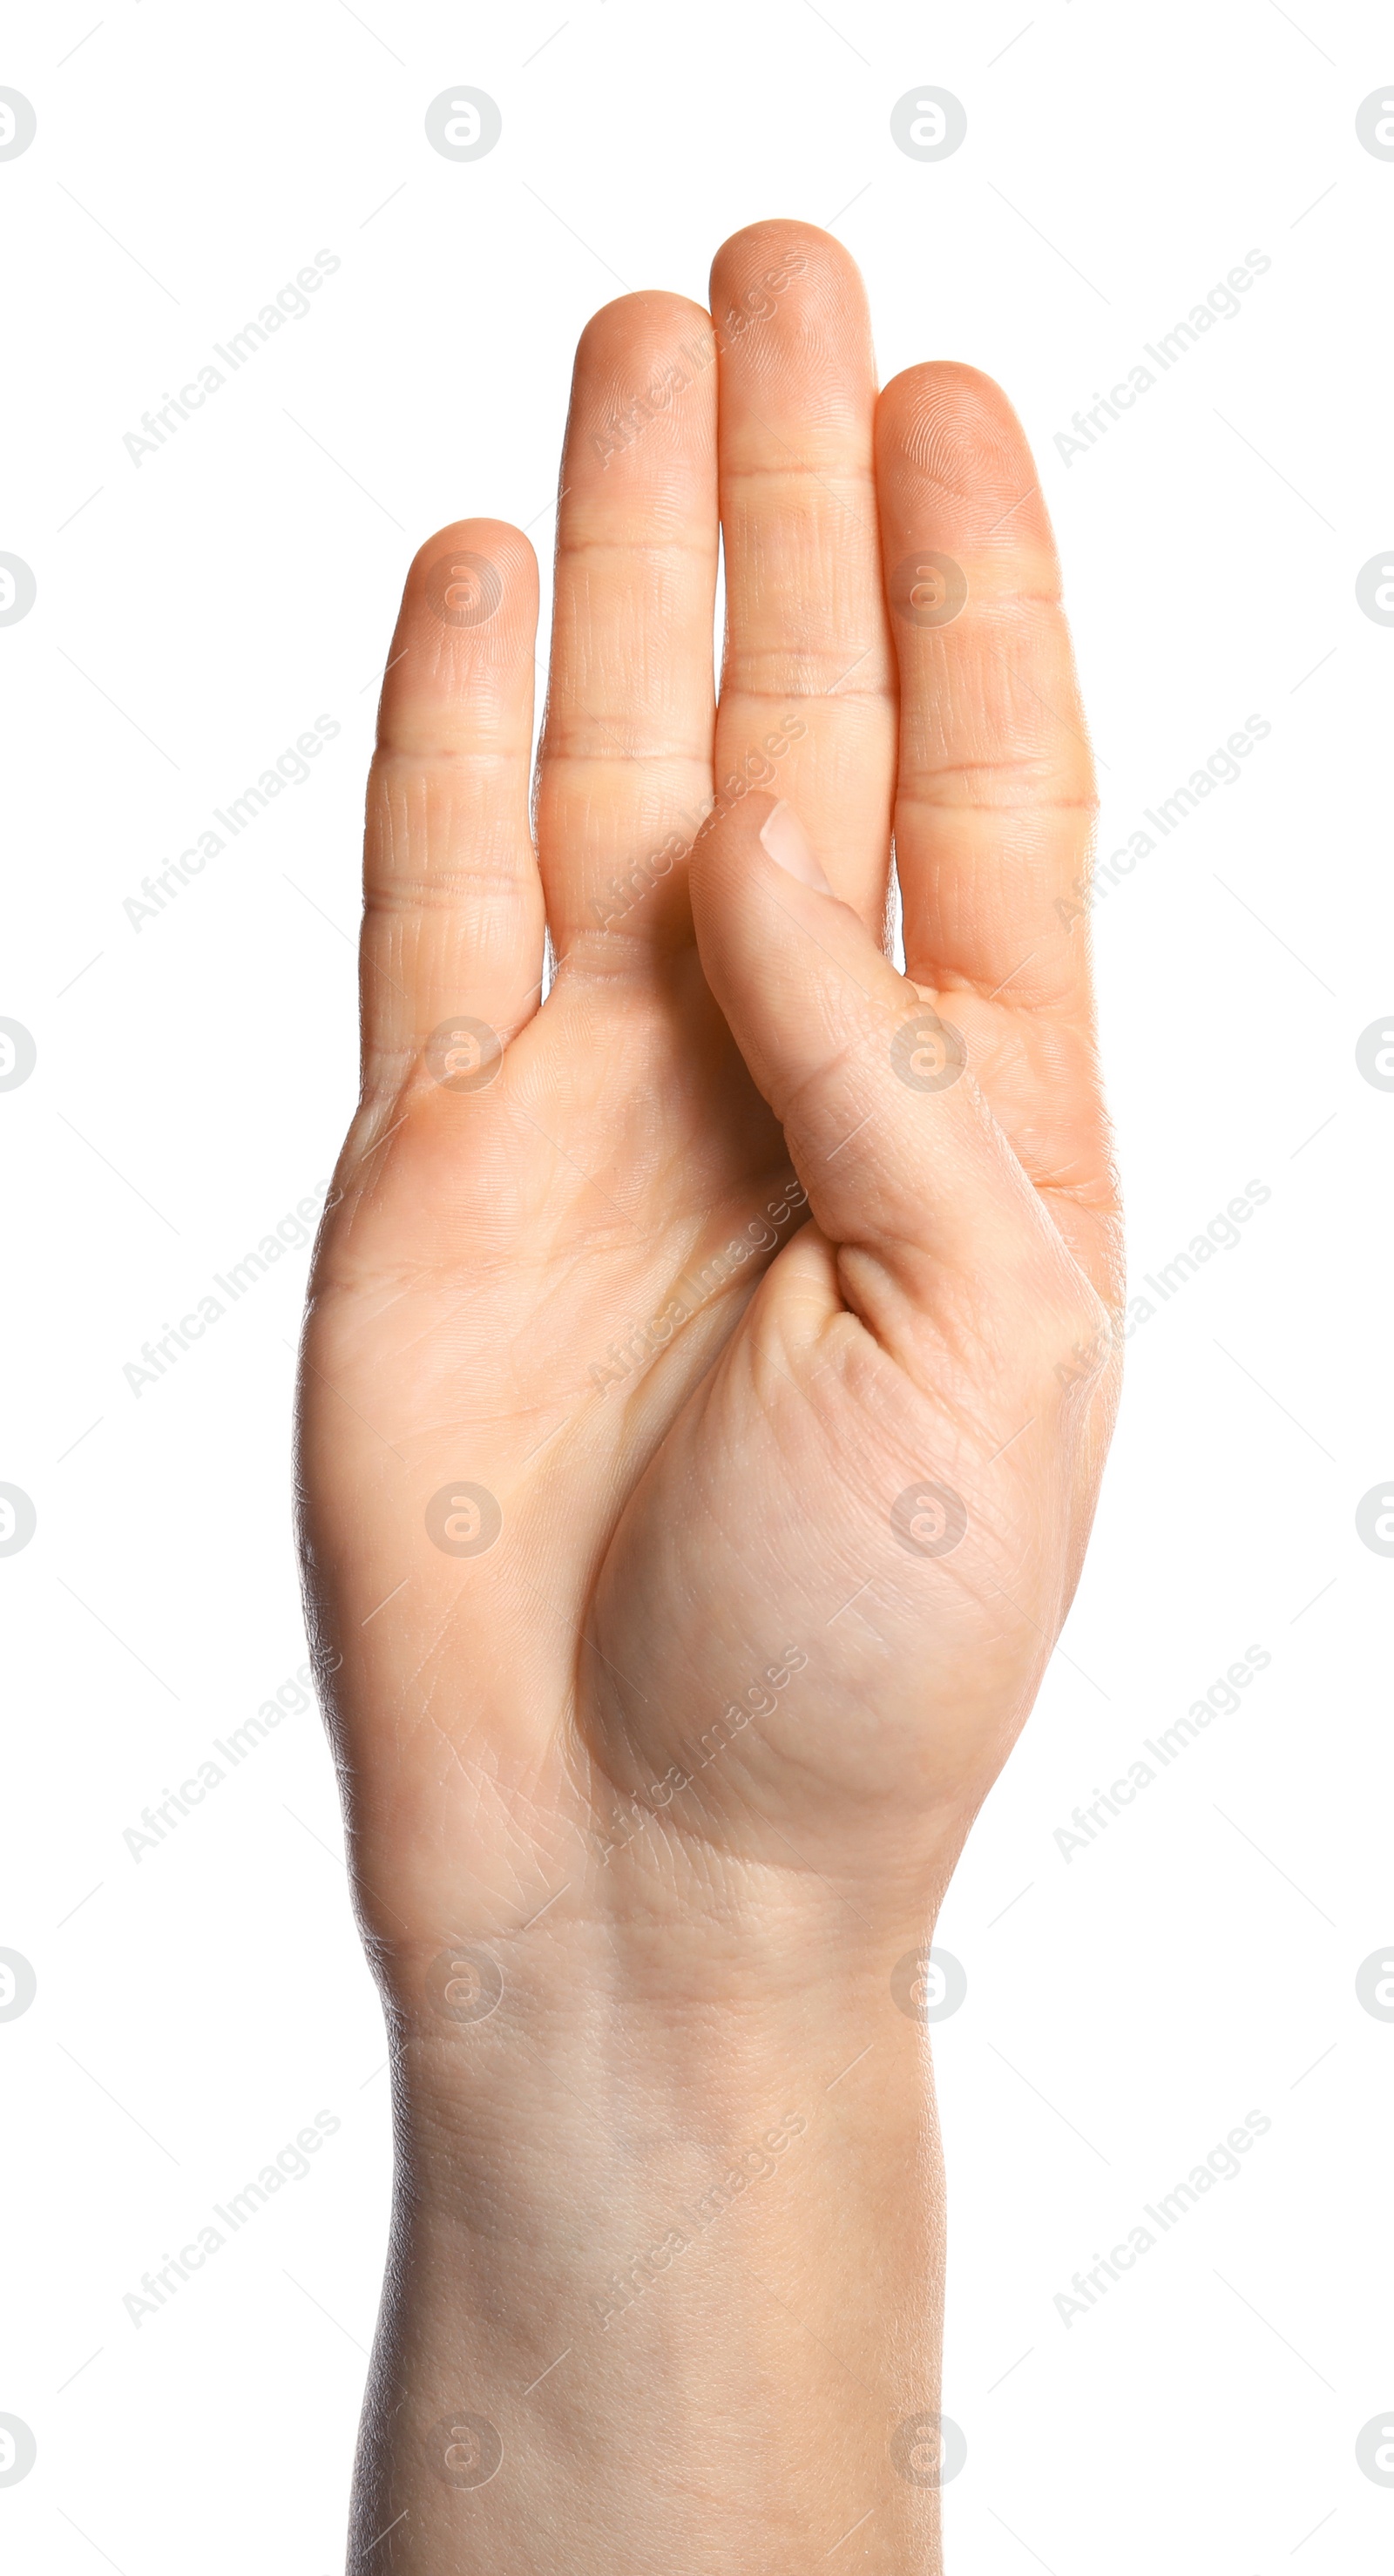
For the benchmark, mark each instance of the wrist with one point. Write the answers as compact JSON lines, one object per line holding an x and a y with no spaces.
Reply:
{"x":672,"y":2191}
{"x":659,"y":1921}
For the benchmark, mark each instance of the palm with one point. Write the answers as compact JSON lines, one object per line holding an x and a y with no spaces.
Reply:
{"x":701,"y":1556}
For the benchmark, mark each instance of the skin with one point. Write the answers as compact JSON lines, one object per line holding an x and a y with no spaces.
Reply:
{"x":722,"y":1254}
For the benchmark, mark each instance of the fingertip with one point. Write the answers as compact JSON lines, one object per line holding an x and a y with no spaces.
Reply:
{"x":753,"y":869}
{"x":949,"y":433}
{"x":784,"y":840}
{"x":732,"y":827}
{"x":782,"y":238}
{"x":950,"y":388}
{"x":645,"y":323}
{"x":471,"y":573}
{"x":724,"y":856}
{"x":784,"y":292}
{"x":462,"y":652}
{"x":642,"y":417}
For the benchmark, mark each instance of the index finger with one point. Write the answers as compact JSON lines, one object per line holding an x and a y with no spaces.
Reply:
{"x":995,"y":796}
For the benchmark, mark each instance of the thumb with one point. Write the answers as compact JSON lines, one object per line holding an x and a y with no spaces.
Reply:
{"x":907,"y":1172}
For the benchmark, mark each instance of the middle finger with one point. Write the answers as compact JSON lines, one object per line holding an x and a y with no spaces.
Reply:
{"x":808,"y":694}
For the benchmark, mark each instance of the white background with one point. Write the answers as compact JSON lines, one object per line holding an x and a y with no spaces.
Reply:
{"x":194,"y":613}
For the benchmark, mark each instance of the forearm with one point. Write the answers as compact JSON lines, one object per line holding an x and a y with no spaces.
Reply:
{"x":666,"y":2278}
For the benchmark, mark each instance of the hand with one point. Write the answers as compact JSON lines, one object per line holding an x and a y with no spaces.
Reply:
{"x":709,"y":1365}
